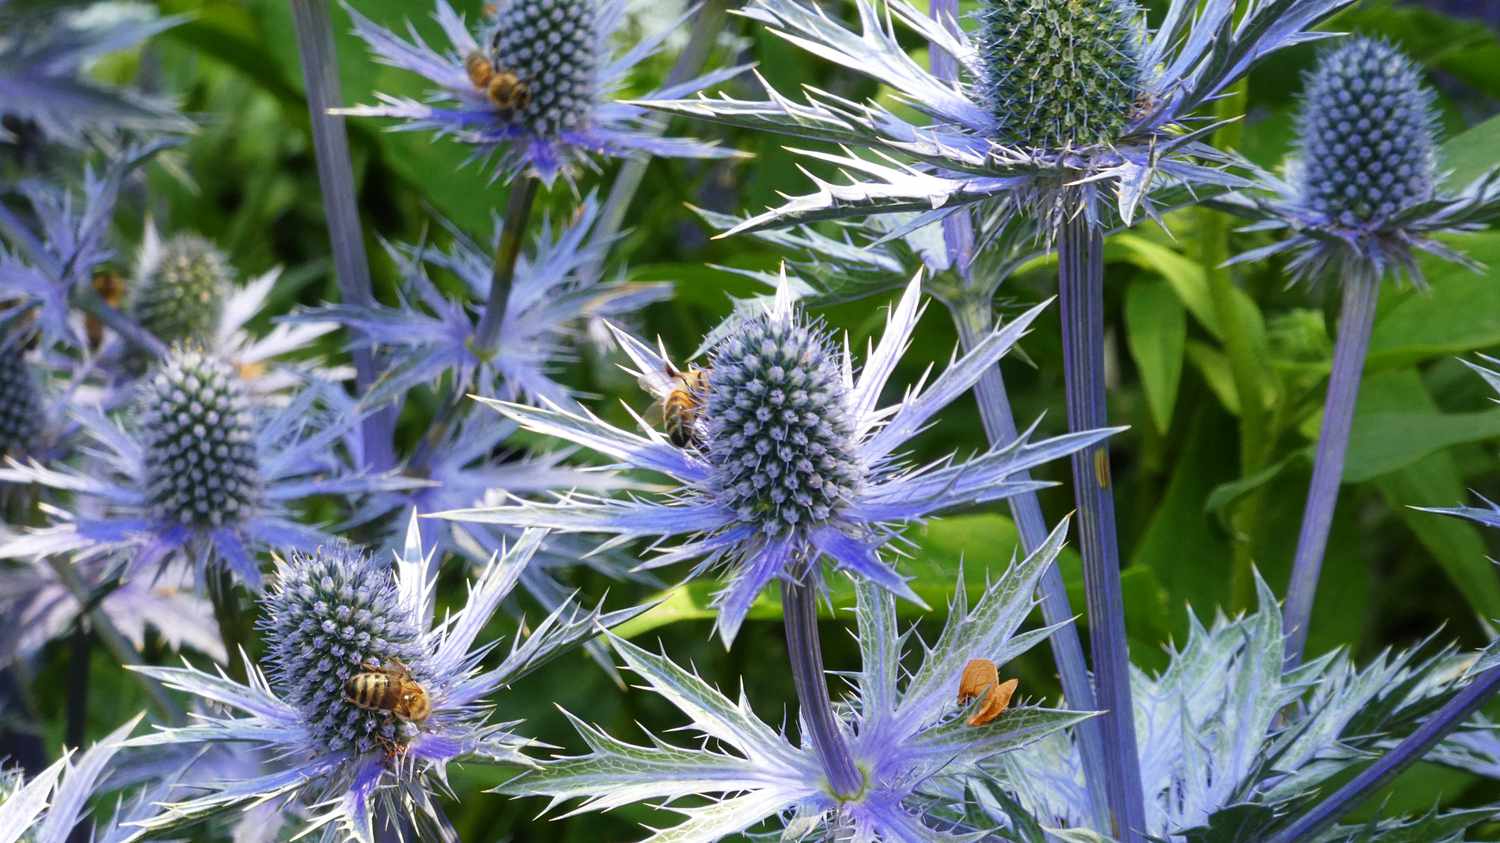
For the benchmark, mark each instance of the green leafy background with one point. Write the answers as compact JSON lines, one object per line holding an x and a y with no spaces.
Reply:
{"x":1191,"y":508}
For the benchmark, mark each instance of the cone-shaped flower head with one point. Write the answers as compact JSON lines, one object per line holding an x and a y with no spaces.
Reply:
{"x":1060,"y":73}
{"x":332,"y":614}
{"x":778,"y":456}
{"x":534,"y":86}
{"x":1363,"y":193}
{"x":1365,"y":134}
{"x":780,"y":438}
{"x":20,"y":401}
{"x":199,"y":439}
{"x":336,"y":615}
{"x":551,"y":47}
{"x":181,"y":297}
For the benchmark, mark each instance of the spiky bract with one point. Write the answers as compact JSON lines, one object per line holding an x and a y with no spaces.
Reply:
{"x":1060,"y":73}
{"x":778,"y":432}
{"x":330,"y":615}
{"x":199,"y":442}
{"x":182,"y":296}
{"x":552,"y":47}
{"x":1366,"y":135}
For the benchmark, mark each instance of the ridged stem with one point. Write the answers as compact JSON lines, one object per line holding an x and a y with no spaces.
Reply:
{"x":336,"y":181}
{"x":1356,"y":319}
{"x":231,"y":622}
{"x":518,"y":207}
{"x":799,"y":605}
{"x":1403,"y":755}
{"x":707,"y":24}
{"x":80,"y":659}
{"x":1080,"y":251}
{"x":973,"y":320}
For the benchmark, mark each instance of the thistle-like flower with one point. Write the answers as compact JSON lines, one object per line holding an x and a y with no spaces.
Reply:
{"x":50,"y":270}
{"x":1055,"y":104}
{"x":46,"y":809}
{"x":179,"y":290}
{"x":914,"y":743}
{"x":781,"y":456}
{"x":1364,"y":193}
{"x":44,"y":52}
{"x":431,"y":334}
{"x":202,"y":472}
{"x":534,"y":86}
{"x":339,"y":628}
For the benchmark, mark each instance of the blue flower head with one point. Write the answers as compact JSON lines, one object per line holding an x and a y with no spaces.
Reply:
{"x":180,"y":295}
{"x":1060,"y":74}
{"x":20,"y":399}
{"x":335,"y":621}
{"x":914,"y":741}
{"x":203,"y":471}
{"x":1364,"y":191}
{"x":533,"y":87}
{"x":783,"y":456}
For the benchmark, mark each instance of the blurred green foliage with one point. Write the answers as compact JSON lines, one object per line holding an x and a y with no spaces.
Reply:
{"x":1425,"y":432}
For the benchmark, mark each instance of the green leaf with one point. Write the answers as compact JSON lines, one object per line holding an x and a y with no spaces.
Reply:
{"x":1186,"y":276}
{"x":1156,"y":331}
{"x":1384,"y":442}
{"x":1460,"y":314}
{"x":1214,"y":367}
{"x":1469,"y":154}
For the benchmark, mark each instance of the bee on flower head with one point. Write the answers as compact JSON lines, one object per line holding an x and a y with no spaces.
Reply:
{"x":681,"y":406}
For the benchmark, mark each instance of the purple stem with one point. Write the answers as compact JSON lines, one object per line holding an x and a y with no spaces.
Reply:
{"x":1080,"y":251}
{"x":1361,"y":290}
{"x":336,"y":180}
{"x":1403,"y":755}
{"x":799,"y":603}
{"x":973,"y":320}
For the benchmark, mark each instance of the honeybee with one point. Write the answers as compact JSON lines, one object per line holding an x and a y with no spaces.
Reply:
{"x":681,"y":406}
{"x":981,"y":678}
{"x":504,"y":88}
{"x":391,"y":689}
{"x":480,"y":69}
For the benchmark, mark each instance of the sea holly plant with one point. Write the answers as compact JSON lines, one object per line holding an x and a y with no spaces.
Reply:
{"x":535,"y":87}
{"x":336,"y":613}
{"x":910,"y":738}
{"x":1232,"y":746}
{"x":1053,"y":106}
{"x":789,"y":459}
{"x":1362,"y":198}
{"x":47,"y":808}
{"x":202,"y":471}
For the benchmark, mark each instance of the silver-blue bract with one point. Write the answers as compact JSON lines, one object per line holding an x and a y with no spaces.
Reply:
{"x":332,"y":613}
{"x":1056,"y":146}
{"x":559,"y":53}
{"x":724,"y":504}
{"x":1230,"y":742}
{"x":1364,"y":193}
{"x":908,"y":734}
{"x":170,"y":486}
{"x":46,"y":809}
{"x":44,"y":54}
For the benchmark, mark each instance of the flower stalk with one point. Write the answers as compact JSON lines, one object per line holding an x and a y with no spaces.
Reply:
{"x":1080,"y":249}
{"x":336,"y":181}
{"x":1403,"y":755}
{"x":1356,"y":320}
{"x":799,"y":601}
{"x":512,"y":235}
{"x":973,"y":320}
